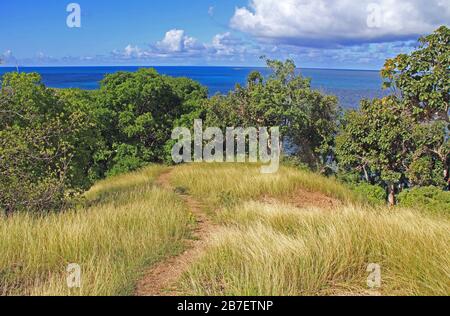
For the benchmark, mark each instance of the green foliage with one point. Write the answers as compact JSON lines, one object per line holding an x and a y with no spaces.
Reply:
{"x":423,"y":77}
{"x":41,"y":165}
{"x":88,"y":141}
{"x":427,"y":199}
{"x":426,"y":171}
{"x":140,"y":111}
{"x":373,"y":194}
{"x":376,"y":140}
{"x":55,"y":143}
{"x":307,"y":118}
{"x":403,"y":138}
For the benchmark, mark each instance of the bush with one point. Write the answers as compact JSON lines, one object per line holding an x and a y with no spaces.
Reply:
{"x":140,"y":110}
{"x":427,"y":199}
{"x":40,"y":162}
{"x":373,"y":194}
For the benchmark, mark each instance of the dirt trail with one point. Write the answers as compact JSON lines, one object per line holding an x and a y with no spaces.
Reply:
{"x":161,"y":279}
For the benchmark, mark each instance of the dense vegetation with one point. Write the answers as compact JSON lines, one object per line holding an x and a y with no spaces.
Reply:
{"x":403,"y":140}
{"x":54,"y":143}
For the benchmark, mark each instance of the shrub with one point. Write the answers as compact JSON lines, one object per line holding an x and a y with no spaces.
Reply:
{"x":426,"y":199}
{"x":140,"y":110}
{"x":40,"y":162}
{"x":373,"y":194}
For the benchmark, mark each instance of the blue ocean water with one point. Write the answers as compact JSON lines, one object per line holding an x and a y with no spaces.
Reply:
{"x":349,"y":85}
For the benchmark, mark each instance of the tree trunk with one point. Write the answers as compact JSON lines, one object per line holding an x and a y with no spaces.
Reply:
{"x":366,"y":175}
{"x":391,"y":198}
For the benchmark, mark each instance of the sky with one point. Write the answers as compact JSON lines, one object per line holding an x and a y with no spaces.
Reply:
{"x":314,"y":33}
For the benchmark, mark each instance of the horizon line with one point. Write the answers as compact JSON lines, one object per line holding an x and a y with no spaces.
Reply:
{"x":173,"y":66}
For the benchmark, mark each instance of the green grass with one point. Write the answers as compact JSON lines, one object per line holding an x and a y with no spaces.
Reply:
{"x":130,"y":225}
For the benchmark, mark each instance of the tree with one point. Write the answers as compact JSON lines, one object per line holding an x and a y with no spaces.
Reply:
{"x":404,"y":138}
{"x":307,"y":118}
{"x":377,"y":141}
{"x":423,"y":77}
{"x":38,"y":154}
{"x":140,"y":111}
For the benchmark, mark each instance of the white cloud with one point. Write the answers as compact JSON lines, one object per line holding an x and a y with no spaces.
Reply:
{"x":131,"y":51}
{"x":222,"y":44}
{"x":177,"y":45}
{"x":320,"y":23}
{"x":176,"y":41}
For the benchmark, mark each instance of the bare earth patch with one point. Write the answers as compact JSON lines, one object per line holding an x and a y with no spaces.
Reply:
{"x":161,"y":279}
{"x":302,"y":199}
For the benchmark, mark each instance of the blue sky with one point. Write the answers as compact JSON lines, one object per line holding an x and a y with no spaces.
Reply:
{"x":315,"y":33}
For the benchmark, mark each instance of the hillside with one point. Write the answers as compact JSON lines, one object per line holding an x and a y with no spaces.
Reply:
{"x":224,"y":230}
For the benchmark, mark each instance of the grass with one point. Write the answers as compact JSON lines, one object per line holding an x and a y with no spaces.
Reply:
{"x":279,"y":249}
{"x":130,"y":225}
{"x":263,"y":246}
{"x":220,"y":185}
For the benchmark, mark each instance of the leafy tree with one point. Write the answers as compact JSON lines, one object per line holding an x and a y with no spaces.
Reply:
{"x":376,"y":141}
{"x":88,"y":141}
{"x":39,"y":162}
{"x":140,"y":111}
{"x":307,"y":118}
{"x":423,"y":77}
{"x":403,"y":139}
{"x":430,"y":158}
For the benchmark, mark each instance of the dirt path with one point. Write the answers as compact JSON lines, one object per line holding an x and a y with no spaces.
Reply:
{"x":161,"y":279}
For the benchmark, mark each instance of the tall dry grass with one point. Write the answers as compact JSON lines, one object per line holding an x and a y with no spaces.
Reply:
{"x":130,"y":224}
{"x":282,"y":250}
{"x":221,"y":185}
{"x":279,"y":249}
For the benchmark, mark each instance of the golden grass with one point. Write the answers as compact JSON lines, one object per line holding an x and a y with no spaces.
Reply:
{"x":221,"y":185}
{"x":279,"y":249}
{"x":131,"y":225}
{"x":261,"y":248}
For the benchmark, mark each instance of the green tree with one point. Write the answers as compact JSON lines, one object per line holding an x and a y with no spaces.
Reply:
{"x":307,"y":118}
{"x":377,"y":141}
{"x":40,"y":166}
{"x":140,"y":111}
{"x":404,"y":138}
{"x":423,"y":77}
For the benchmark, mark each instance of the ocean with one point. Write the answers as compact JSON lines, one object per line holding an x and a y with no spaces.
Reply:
{"x":350,"y":86}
